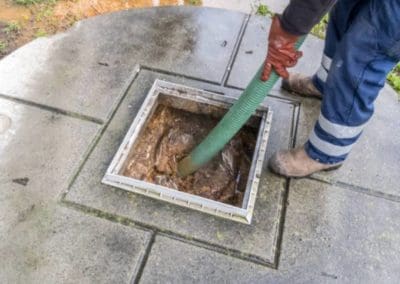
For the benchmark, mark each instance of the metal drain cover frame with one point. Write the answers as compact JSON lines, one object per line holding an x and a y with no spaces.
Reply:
{"x":114,"y":177}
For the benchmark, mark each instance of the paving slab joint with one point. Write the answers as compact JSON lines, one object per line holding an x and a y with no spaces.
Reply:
{"x":235,"y":50}
{"x":281,"y":227}
{"x":357,"y":188}
{"x":53,"y":109}
{"x":185,"y":239}
{"x":102,"y":129}
{"x":170,"y":73}
{"x":137,"y":275}
{"x":295,"y":123}
{"x":102,"y":214}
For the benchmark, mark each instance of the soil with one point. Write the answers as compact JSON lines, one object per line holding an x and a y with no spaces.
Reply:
{"x":170,"y":135}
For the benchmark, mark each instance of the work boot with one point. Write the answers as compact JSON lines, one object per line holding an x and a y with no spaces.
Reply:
{"x":296,"y":163}
{"x":301,"y":85}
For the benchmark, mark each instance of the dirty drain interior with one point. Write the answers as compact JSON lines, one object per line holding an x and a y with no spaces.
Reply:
{"x":174,"y":128}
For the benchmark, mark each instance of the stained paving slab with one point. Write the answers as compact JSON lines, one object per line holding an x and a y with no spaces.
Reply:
{"x":52,"y":244}
{"x":84,"y":70}
{"x":39,"y":241}
{"x":39,"y":152}
{"x":257,"y":241}
{"x":331,"y":235}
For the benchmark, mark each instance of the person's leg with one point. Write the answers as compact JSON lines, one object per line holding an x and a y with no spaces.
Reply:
{"x":367,"y":51}
{"x":340,"y":19}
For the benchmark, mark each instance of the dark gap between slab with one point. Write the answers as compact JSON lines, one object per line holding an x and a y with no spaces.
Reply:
{"x":235,"y":51}
{"x":53,"y":109}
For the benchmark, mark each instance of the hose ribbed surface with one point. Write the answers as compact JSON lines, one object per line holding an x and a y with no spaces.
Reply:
{"x":232,"y":122}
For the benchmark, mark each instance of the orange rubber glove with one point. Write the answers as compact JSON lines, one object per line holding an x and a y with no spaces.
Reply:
{"x":281,"y":51}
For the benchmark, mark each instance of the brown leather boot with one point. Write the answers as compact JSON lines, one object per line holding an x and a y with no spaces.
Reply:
{"x":301,"y":85}
{"x":296,"y":163}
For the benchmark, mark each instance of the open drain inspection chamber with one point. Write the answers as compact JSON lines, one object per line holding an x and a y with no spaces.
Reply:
{"x":197,"y":101}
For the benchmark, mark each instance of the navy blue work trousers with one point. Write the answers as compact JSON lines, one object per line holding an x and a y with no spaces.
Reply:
{"x":361,"y":47}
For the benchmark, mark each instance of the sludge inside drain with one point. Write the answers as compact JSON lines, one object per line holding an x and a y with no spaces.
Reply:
{"x":172,"y":131}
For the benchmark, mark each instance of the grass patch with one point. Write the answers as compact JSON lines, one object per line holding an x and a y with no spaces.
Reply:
{"x":45,"y":13}
{"x":40,"y":33}
{"x":263,"y":10}
{"x":30,"y":2}
{"x":12,"y":27}
{"x":3,"y":46}
{"x":319,"y":30}
{"x":194,"y":2}
{"x":27,"y":2}
{"x":394,"y":78}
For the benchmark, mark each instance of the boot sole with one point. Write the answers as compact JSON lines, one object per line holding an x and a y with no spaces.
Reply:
{"x":299,"y":177}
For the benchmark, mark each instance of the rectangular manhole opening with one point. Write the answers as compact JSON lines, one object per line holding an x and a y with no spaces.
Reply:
{"x":171,"y":122}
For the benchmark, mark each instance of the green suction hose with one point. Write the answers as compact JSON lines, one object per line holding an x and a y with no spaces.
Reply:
{"x":232,"y":122}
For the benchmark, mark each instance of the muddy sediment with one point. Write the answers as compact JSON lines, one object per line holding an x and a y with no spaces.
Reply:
{"x":170,"y":135}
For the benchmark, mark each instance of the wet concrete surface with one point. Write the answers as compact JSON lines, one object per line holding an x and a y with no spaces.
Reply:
{"x":345,"y":231}
{"x":5,"y":123}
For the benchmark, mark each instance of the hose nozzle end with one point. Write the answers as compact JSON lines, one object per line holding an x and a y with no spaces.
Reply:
{"x":186,"y":167}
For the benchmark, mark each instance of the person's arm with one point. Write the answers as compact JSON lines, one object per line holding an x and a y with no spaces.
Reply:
{"x":297,"y":20}
{"x":301,"y":15}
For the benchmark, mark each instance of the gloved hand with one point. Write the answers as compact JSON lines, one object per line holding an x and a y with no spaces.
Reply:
{"x":281,"y":51}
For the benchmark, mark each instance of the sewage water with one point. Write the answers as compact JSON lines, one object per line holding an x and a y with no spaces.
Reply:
{"x":170,"y":135}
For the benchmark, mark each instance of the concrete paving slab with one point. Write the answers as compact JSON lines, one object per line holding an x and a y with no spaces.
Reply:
{"x":257,"y":241}
{"x":247,"y":6}
{"x":39,"y":151}
{"x":52,"y":244}
{"x":85,"y":69}
{"x":331,"y":235}
{"x":192,"y":264}
{"x":337,"y":234}
{"x":374,"y":161}
{"x":253,"y":49}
